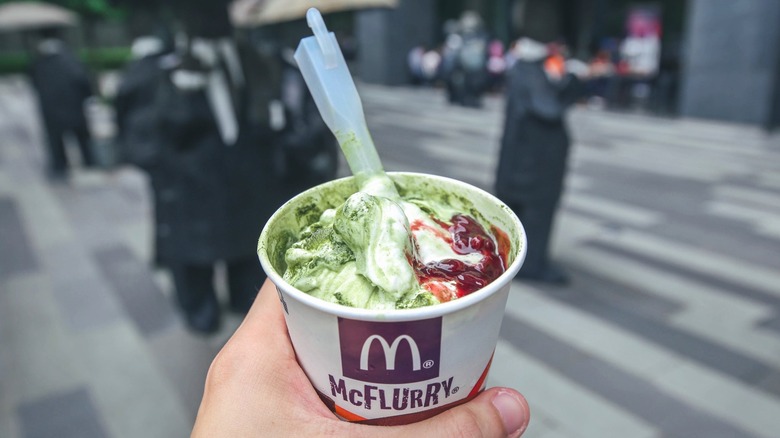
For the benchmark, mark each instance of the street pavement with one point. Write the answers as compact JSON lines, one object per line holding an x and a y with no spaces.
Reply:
{"x":670,"y":326}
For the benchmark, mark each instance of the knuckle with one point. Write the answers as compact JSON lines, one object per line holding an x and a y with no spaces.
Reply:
{"x":227,"y":364}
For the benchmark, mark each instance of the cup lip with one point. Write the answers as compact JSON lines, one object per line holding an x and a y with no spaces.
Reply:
{"x":399,"y":314}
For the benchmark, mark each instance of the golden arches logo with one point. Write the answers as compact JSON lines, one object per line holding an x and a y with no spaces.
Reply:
{"x":390,"y":351}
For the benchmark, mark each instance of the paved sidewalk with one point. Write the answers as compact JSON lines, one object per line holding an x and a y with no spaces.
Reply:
{"x":90,"y":343}
{"x":670,"y":328}
{"x":671,"y":230}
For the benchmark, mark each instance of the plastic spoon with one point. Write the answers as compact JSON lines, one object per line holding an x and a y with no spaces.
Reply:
{"x":327,"y":76}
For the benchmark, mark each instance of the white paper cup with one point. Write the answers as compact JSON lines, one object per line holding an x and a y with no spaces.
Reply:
{"x":397,"y":366}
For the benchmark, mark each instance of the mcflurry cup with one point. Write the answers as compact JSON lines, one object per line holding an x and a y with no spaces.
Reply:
{"x":394,"y":366}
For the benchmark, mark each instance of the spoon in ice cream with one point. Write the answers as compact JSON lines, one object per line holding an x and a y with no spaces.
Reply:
{"x":327,"y":76}
{"x":370,"y":222}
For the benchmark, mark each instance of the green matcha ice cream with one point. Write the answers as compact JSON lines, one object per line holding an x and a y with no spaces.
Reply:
{"x":381,"y":251}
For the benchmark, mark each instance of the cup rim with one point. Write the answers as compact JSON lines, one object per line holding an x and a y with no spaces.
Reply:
{"x":398,"y":314}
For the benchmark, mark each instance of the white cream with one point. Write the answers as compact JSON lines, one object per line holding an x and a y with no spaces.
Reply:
{"x":431,"y":246}
{"x":377,"y":231}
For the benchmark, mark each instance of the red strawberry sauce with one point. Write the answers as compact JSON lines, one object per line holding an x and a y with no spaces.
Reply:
{"x":465,"y":236}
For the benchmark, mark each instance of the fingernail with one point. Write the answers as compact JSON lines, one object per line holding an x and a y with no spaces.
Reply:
{"x":513,"y":412}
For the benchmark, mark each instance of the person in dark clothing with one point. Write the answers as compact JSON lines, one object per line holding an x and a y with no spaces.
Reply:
{"x":137,"y":115}
{"x":534,"y":150}
{"x":134,"y":103}
{"x":216,"y":182}
{"x":310,"y":154}
{"x":62,"y":85}
{"x":200,"y":129}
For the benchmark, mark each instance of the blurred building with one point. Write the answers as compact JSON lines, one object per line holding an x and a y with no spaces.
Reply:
{"x":731,"y":70}
{"x":720,"y":59}
{"x":385,"y":37}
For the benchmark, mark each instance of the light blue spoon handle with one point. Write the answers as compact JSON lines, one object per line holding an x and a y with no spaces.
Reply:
{"x":327,"y":76}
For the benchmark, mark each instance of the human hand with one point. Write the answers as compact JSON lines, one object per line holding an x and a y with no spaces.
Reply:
{"x":255,"y":387}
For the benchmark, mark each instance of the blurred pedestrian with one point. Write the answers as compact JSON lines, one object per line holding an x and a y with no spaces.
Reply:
{"x":534,"y":150}
{"x":63,"y":86}
{"x":431,"y":63}
{"x":449,"y":60}
{"x":414,"y":64}
{"x":310,"y":152}
{"x":137,"y":113}
{"x":467,"y":76}
{"x":602,"y":71}
{"x":217,"y":166}
{"x":496,"y":65}
{"x":667,"y":85}
{"x":555,"y":62}
{"x":510,"y":57}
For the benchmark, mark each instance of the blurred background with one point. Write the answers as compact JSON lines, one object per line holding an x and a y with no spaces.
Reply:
{"x":144,"y":143}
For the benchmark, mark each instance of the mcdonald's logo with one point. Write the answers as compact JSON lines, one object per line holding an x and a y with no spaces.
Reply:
{"x":390,"y":352}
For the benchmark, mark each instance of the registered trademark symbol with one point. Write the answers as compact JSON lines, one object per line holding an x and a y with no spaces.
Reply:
{"x":427,"y":364}
{"x":455,"y":390}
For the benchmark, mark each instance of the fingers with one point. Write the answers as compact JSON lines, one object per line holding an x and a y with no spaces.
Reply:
{"x":258,"y":345}
{"x":497,"y":412}
{"x":513,"y":410}
{"x":257,"y":371}
{"x":263,"y":333}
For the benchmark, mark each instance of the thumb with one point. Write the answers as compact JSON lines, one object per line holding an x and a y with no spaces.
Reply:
{"x":497,"y":412}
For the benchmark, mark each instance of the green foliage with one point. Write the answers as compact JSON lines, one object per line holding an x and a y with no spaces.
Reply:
{"x":111,"y":58}
{"x":107,"y":58}
{"x":13,"y":62}
{"x":92,"y":9}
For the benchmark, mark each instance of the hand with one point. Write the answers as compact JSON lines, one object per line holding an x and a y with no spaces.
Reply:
{"x":255,"y":387}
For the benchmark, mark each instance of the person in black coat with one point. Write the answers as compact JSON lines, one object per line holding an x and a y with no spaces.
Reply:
{"x":62,"y":85}
{"x":134,"y":103}
{"x":466,"y":72}
{"x":137,"y":114}
{"x":216,"y":184}
{"x":190,"y":124}
{"x":310,"y":154}
{"x":534,"y":150}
